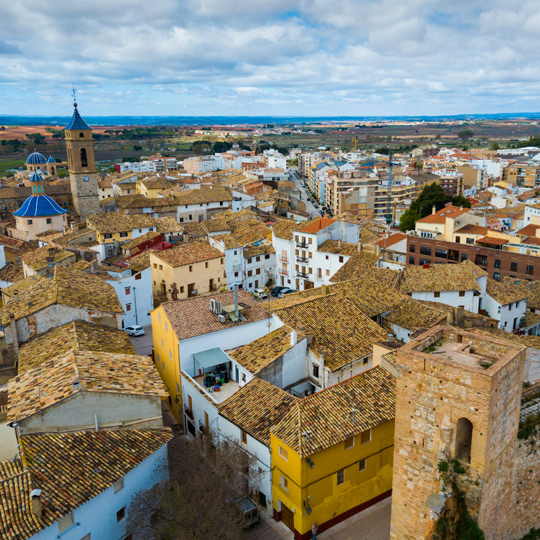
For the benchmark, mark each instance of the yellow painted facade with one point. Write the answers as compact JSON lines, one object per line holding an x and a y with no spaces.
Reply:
{"x":523,"y":175}
{"x":167,"y":358}
{"x":366,"y":474}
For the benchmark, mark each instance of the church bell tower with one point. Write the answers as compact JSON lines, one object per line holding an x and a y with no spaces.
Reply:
{"x":82,"y":165}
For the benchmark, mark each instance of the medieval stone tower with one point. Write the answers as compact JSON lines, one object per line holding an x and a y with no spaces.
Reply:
{"x":458,"y":398}
{"x":82,"y":166}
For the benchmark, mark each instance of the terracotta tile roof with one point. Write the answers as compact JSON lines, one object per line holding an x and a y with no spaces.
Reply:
{"x":13,"y":245}
{"x":391,"y":357}
{"x":492,"y":241}
{"x":261,"y":249}
{"x":529,"y":230}
{"x":40,"y":258}
{"x":504,"y":293}
{"x":113,"y":222}
{"x":341,"y":332}
{"x":228,"y":241}
{"x":328,"y":414}
{"x":141,"y":240}
{"x":217,"y":224}
{"x":530,"y":288}
{"x":260,"y":353}
{"x":202,"y":195}
{"x":337,"y":247}
{"x":412,"y":315}
{"x":70,"y":469}
{"x":472,"y":229}
{"x":391,"y":240}
{"x":168,"y":225}
{"x":66,"y":287}
{"x":441,"y":277}
{"x":86,"y":371}
{"x":76,"y":336}
{"x":188,"y":254}
{"x":446,"y":212}
{"x":192,"y":317}
{"x":284,"y":228}
{"x":256,"y":407}
{"x":359,"y":265}
{"x":11,"y":273}
{"x":318,"y":225}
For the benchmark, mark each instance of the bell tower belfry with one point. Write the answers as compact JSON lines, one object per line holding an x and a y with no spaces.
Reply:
{"x":82,"y":165}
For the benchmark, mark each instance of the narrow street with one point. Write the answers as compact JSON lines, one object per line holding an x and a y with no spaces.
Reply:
{"x":313,"y":212}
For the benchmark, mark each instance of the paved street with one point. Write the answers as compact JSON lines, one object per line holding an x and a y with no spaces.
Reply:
{"x":371,"y":524}
{"x":313,"y":212}
{"x":143,"y":344}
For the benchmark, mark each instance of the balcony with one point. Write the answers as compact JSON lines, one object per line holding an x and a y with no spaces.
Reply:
{"x":304,"y":275}
{"x":301,"y":244}
{"x":283,"y":258}
{"x":299,"y":258}
{"x":283,"y":271}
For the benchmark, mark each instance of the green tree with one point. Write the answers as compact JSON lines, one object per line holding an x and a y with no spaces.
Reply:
{"x":494,"y":146}
{"x":465,"y":134}
{"x":408,"y":220}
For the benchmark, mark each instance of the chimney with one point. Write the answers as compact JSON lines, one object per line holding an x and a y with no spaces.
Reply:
{"x":359,"y":247}
{"x":353,"y":411}
{"x":294,"y":338}
{"x":325,"y":290}
{"x":35,"y":500}
{"x":433,"y":209}
{"x":458,"y":316}
{"x":339,"y":243}
{"x":72,"y":225}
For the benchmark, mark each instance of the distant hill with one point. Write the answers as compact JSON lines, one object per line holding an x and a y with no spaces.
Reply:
{"x":239,"y":120}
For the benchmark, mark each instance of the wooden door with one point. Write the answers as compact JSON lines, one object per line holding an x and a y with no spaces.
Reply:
{"x":287,"y":517}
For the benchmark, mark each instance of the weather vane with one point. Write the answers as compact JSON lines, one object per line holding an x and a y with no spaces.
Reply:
{"x":74,"y":94}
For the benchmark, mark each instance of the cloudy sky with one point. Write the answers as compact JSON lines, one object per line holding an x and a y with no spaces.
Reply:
{"x":271,"y":57}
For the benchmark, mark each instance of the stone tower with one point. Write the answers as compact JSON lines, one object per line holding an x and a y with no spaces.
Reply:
{"x":458,"y":398}
{"x":82,"y":166}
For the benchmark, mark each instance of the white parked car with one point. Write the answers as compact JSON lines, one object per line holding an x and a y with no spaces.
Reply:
{"x":134,"y":330}
{"x":260,"y":293}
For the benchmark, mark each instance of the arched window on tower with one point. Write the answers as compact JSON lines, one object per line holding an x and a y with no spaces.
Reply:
{"x":84,"y":159}
{"x":464,"y":429}
{"x":81,"y":135}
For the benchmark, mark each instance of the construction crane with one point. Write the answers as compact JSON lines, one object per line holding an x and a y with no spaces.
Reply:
{"x":355,"y":141}
{"x":389,"y":190}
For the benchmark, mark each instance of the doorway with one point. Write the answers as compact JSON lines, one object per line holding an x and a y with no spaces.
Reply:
{"x":287,"y":517}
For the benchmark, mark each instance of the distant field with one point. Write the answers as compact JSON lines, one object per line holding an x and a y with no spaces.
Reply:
{"x":10,"y":164}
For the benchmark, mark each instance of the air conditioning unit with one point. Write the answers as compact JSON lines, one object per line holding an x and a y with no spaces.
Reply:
{"x":221,"y":318}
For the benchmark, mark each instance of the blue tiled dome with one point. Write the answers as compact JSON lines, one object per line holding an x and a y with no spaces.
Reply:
{"x":39,"y":206}
{"x":51,"y":160}
{"x":36,"y":177}
{"x":35,"y":158}
{"x":77,"y":122}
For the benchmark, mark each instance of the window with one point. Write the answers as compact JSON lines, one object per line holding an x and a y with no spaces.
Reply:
{"x":497,"y":263}
{"x":182,"y":289}
{"x":65,"y":523}
{"x":118,"y":485}
{"x":328,"y":272}
{"x":30,"y":222}
{"x":121,"y":514}
{"x":84,"y":158}
{"x":437,"y":294}
{"x":458,"y":240}
{"x":315,"y":371}
{"x":496,"y":276}
{"x":365,"y":437}
{"x":155,"y":265}
{"x":340,"y":476}
{"x":138,"y":276}
{"x":258,"y":271}
{"x":49,"y":220}
{"x":424,"y":250}
{"x":128,"y":307}
{"x":461,"y":293}
{"x":412,"y":248}
{"x":411,"y":259}
{"x":470,"y":241}
{"x":530,"y":269}
{"x":166,"y":326}
{"x":244,"y":437}
{"x":190,"y":268}
{"x":341,"y":258}
{"x":513,"y":267}
{"x":284,"y":484}
{"x":206,"y":264}
{"x":257,"y":259}
{"x":349,"y":443}
{"x":463,"y":257}
{"x":123,"y":234}
{"x":283,"y":453}
{"x":464,"y":430}
{"x":441,"y":253}
{"x":362,"y":465}
{"x":267,"y":256}
{"x":127,"y":290}
{"x":161,"y":267}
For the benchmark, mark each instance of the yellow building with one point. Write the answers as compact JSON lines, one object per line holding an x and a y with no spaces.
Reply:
{"x":332,"y":453}
{"x":187,"y":271}
{"x":152,"y":187}
{"x":446,"y":223}
{"x":521,"y":174}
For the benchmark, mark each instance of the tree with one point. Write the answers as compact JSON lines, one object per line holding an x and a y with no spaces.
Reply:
{"x":137,"y":147}
{"x":494,"y":146}
{"x":196,"y":503}
{"x":432,"y":195}
{"x":465,"y":134}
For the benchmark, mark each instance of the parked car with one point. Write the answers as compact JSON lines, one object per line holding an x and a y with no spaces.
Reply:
{"x":248,"y":510}
{"x":260,"y":293}
{"x":321,"y":212}
{"x":315,"y":205}
{"x":134,"y":330}
{"x":277,"y":290}
{"x":286,"y":291}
